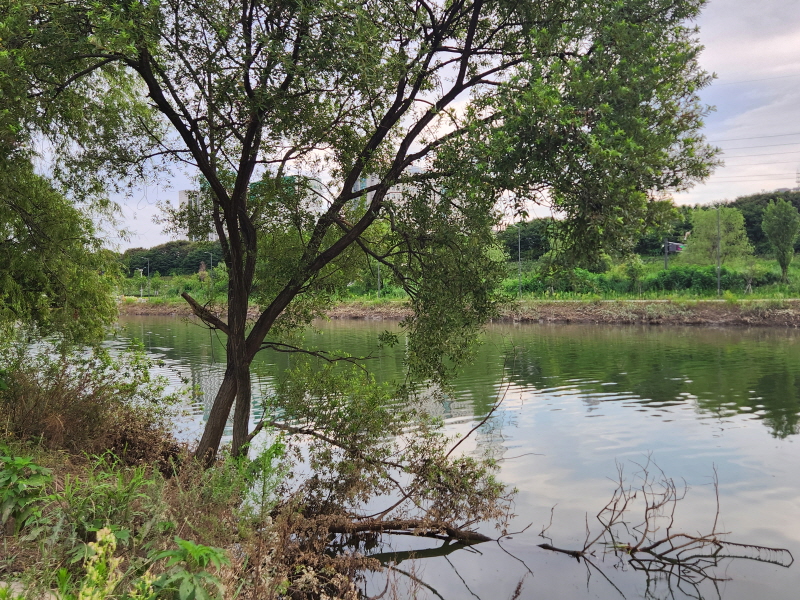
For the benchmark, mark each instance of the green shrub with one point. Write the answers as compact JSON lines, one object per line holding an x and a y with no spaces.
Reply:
{"x":22,"y":486}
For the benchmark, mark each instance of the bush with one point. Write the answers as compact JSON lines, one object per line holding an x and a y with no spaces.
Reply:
{"x":84,"y":403}
{"x":704,"y":279}
{"x":630,"y":278}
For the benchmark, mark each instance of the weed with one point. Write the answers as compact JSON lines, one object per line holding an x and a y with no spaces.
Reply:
{"x":22,"y":485}
{"x":186,"y":574}
{"x":730,"y":298}
{"x":88,"y":402}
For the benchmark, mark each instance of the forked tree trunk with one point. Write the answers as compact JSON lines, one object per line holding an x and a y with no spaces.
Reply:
{"x":235,"y":385}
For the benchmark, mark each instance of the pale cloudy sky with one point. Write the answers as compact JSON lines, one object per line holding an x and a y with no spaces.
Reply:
{"x":753,"y":46}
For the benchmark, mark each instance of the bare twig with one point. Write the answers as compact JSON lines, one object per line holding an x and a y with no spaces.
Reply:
{"x":683,"y":559}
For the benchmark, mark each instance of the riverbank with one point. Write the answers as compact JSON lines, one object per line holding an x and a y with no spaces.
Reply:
{"x":718,"y":313}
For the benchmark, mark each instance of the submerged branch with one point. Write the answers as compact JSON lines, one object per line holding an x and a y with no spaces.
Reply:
{"x":410,"y":526}
{"x":691,"y":559}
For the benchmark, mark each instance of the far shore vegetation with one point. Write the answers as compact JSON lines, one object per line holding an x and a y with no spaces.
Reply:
{"x":751,"y":267}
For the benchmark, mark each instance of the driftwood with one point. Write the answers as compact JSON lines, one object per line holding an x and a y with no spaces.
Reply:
{"x":653,"y":547}
{"x":408,"y":527}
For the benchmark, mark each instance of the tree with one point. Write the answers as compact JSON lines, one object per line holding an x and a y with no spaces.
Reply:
{"x":526,"y":240}
{"x":704,"y":241}
{"x":286,"y":108}
{"x":180,"y":257}
{"x":53,"y":272}
{"x":752,"y":207}
{"x":781,"y":224}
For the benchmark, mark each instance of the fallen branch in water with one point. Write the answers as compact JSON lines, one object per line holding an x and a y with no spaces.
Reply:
{"x":653,"y":547}
{"x":409,"y":527}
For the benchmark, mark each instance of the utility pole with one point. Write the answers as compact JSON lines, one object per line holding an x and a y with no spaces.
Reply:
{"x":719,"y":243}
{"x":148,"y":278}
{"x":666,"y":254}
{"x":211,"y":273}
{"x":519,"y":259}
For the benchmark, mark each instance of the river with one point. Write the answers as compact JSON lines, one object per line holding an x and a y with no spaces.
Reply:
{"x":579,"y":404}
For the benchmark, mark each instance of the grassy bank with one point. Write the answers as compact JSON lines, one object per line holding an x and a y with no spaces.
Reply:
{"x":747,"y":313}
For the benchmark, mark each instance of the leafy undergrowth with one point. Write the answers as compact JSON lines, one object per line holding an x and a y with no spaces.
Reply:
{"x":97,"y":500}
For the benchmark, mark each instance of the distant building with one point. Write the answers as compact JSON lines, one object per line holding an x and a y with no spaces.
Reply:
{"x":395,"y":193}
{"x":197,"y":214}
{"x":674,"y":247}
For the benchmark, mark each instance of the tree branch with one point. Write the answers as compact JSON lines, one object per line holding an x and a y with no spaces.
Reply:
{"x":206,"y":315}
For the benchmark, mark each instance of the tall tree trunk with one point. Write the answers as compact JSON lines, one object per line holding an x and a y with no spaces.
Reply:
{"x":241,"y":412}
{"x":218,"y":417}
{"x":236,"y":383}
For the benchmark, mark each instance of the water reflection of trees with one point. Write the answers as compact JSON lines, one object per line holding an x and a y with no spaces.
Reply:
{"x":720,"y":371}
{"x":723,"y":372}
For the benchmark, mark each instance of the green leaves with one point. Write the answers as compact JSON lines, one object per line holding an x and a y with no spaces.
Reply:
{"x":52,"y":270}
{"x":187,"y":576}
{"x":196,"y":556}
{"x":781,"y":224}
{"x":22,"y":485}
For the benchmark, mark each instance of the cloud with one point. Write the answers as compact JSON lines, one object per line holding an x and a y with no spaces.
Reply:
{"x":754,"y":49}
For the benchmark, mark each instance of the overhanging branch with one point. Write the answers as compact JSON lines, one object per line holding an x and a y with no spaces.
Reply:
{"x":206,"y":315}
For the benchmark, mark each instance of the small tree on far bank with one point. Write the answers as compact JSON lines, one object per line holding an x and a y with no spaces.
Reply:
{"x":781,"y":224}
{"x":716,"y":229}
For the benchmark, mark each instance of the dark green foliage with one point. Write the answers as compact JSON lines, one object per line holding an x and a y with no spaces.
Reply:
{"x":533,"y":241}
{"x":752,"y":207}
{"x":187,"y":576}
{"x":697,"y":279}
{"x":52,"y":270}
{"x":781,"y":225}
{"x":181,"y":257}
{"x":22,"y":487}
{"x":651,"y":243}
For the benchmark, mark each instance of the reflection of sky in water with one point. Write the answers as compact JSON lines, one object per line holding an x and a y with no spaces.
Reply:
{"x":578,"y":400}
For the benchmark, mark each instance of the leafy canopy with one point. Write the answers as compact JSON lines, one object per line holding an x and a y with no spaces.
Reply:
{"x":781,"y":224}
{"x":723,"y":227}
{"x":52,"y":270}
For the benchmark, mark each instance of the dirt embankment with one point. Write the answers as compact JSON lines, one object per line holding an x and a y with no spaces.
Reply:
{"x":751,"y":313}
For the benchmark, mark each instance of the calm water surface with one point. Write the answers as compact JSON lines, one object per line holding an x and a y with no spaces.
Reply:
{"x":580,"y":401}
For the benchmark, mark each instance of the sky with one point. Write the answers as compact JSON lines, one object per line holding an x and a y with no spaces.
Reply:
{"x":753,"y":47}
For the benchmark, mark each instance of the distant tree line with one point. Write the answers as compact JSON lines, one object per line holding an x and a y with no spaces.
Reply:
{"x":752,"y":208}
{"x":180,"y":257}
{"x":531,"y":240}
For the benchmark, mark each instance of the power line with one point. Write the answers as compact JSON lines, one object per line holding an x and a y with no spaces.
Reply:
{"x":765,"y":146}
{"x":759,"y":175}
{"x":755,"y":137}
{"x":774,"y":162}
{"x":751,"y":80}
{"x":769,"y":181}
{"x":765,"y":154}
